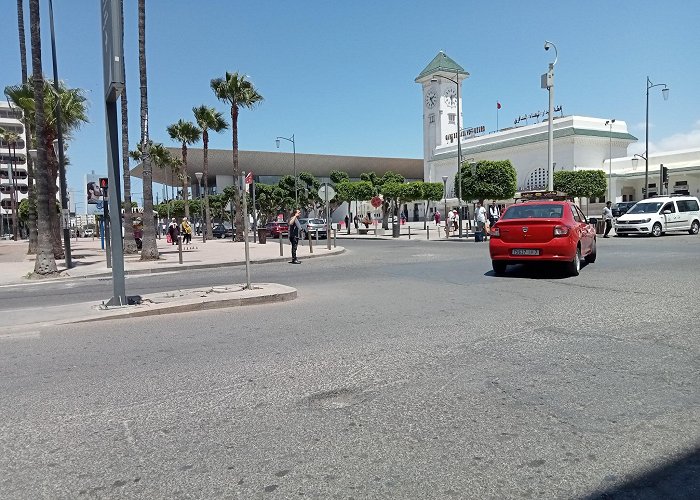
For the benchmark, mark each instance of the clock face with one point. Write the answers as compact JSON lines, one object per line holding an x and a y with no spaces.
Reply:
{"x":430,"y":99}
{"x":451,"y":97}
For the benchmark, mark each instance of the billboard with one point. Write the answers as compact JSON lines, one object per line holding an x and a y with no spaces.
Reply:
{"x":93,"y":193}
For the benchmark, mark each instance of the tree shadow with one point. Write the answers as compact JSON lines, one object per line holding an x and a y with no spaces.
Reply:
{"x":675,"y":480}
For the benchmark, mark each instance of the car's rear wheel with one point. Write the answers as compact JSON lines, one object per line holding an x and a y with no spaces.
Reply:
{"x":499,"y":267}
{"x":573,"y":268}
{"x":590,"y":258}
{"x":656,"y":230}
{"x":694,"y":227}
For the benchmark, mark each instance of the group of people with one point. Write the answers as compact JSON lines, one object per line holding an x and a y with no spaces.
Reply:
{"x":175,"y":230}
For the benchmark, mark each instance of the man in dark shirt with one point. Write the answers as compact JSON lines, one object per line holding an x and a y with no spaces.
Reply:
{"x":294,"y":230}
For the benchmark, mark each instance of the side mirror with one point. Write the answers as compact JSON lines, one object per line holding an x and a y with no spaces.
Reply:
{"x":666,"y":212}
{"x":593,"y":221}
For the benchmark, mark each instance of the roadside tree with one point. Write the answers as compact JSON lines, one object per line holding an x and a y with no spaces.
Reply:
{"x":492,"y":180}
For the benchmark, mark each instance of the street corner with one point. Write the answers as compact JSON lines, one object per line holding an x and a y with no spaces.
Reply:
{"x":189,"y":300}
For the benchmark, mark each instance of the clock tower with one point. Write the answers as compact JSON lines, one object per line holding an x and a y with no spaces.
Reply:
{"x":439,"y":81}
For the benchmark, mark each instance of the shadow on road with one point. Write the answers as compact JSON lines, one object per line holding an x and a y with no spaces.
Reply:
{"x":536,"y":271}
{"x":676,"y":480}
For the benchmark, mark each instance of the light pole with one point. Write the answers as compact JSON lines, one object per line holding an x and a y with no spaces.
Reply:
{"x":609,"y":123}
{"x":59,"y":146}
{"x":547,"y":81}
{"x":635,"y":161}
{"x":199,"y":175}
{"x":459,"y":149}
{"x":664,"y":92}
{"x":444,"y":194}
{"x":294,"y":152}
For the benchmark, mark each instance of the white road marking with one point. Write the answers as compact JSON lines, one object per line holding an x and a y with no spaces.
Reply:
{"x":32,"y":334}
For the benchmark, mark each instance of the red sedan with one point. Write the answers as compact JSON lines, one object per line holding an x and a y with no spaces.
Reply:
{"x":277,"y":228}
{"x":536,"y":231}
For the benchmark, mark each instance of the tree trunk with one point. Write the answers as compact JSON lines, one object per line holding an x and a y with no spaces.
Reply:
{"x":207,"y":212}
{"x":129,"y":241}
{"x":236,"y":175}
{"x":149,"y":249}
{"x":45,"y":263}
{"x":54,"y":219}
{"x":185,"y":181}
{"x":22,"y":46}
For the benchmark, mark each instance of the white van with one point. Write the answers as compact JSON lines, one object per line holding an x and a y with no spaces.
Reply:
{"x":660,"y":214}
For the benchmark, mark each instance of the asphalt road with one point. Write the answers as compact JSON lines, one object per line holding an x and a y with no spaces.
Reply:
{"x":403,"y":370}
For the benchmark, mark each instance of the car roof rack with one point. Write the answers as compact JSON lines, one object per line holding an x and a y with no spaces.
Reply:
{"x":542,"y":196}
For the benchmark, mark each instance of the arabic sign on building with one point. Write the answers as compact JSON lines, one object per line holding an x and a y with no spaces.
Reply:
{"x":466,"y":133}
{"x":536,"y":115}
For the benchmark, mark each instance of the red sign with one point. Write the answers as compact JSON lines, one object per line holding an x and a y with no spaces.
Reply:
{"x":376,"y":202}
{"x":249,"y":178}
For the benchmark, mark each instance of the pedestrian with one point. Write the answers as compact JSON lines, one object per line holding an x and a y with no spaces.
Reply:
{"x":186,"y":230}
{"x":437,"y":217}
{"x":294,"y":231}
{"x":356,"y":221}
{"x":608,"y":218}
{"x":173,"y":231}
{"x":347,"y":223}
{"x":494,"y":213}
{"x":480,"y":216}
{"x":455,"y":220}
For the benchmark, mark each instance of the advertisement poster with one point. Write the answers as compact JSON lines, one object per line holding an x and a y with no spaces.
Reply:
{"x":95,"y":201}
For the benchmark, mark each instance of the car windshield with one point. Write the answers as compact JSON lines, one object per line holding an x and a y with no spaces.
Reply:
{"x":534,"y":211}
{"x":645,"y":208}
{"x":317,"y":221}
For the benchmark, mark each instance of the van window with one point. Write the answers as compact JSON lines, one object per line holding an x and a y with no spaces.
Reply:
{"x":687,"y":205}
{"x":669,"y":206}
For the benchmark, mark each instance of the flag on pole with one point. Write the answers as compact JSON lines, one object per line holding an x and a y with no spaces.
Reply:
{"x":498,"y":105}
{"x":249,"y":178}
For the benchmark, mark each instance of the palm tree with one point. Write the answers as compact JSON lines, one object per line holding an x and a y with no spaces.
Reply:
{"x":158,"y":155}
{"x":208,"y":119}
{"x":72,"y":103}
{"x":129,"y":240}
{"x":45,"y":263}
{"x":22,"y":45}
{"x":186,"y":133}
{"x":236,"y":91}
{"x":10,"y":140}
{"x":149,"y":248}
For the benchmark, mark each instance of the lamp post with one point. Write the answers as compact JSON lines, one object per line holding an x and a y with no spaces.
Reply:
{"x":444,"y":194}
{"x":635,"y":161}
{"x":199,"y":175}
{"x":59,"y":145}
{"x":547,"y":81}
{"x":294,"y":152}
{"x":664,"y":92}
{"x":609,"y":123}
{"x":459,"y":149}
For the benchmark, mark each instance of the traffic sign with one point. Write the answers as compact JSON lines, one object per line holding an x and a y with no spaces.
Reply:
{"x":322,"y":192}
{"x":65,"y":218}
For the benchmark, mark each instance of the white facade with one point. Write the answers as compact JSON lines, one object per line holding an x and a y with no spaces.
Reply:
{"x":13,"y":163}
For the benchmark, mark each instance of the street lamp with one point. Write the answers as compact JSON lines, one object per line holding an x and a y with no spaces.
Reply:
{"x":58,"y":145}
{"x":664,"y":92}
{"x":444,"y":182}
{"x":547,"y":81}
{"x":459,"y":148}
{"x":199,"y":175}
{"x":635,"y":161}
{"x":609,"y":123}
{"x":294,"y":152}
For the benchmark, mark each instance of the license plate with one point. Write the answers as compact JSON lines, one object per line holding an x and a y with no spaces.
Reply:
{"x":525,"y":251}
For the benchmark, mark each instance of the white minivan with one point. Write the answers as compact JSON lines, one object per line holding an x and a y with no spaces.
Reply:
{"x":660,"y":214}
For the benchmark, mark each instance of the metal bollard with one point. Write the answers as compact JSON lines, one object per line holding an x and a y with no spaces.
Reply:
{"x":281,"y":251}
{"x":179,"y":246}
{"x":311,"y":243}
{"x":427,"y":234}
{"x":316,"y":235}
{"x":439,"y":232}
{"x":334,"y":238}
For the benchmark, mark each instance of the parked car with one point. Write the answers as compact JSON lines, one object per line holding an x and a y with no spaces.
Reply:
{"x":622,"y":208}
{"x":89,"y":232}
{"x":310,"y":226}
{"x":223,"y":230}
{"x":277,"y":228}
{"x":656,"y":216}
{"x":543,"y":231}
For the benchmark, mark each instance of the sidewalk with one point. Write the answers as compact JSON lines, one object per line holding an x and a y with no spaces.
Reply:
{"x":432,"y":232}
{"x":89,"y":259}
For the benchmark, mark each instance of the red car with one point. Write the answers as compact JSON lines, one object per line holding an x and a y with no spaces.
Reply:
{"x":275,"y":229}
{"x":536,"y":231}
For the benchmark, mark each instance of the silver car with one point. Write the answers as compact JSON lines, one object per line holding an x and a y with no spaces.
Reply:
{"x":311,"y":226}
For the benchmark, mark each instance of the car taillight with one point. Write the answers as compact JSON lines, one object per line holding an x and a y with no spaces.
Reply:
{"x":495,"y":232}
{"x":561,"y":230}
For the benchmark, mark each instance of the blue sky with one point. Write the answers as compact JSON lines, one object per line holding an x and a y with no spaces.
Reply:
{"x":339,"y":75}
